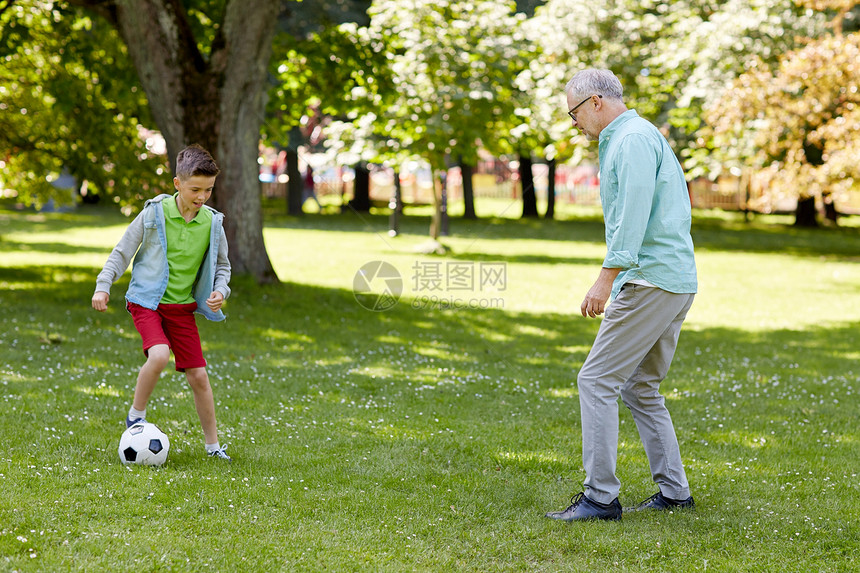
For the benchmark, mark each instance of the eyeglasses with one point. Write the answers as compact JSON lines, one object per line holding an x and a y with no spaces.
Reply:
{"x":573,"y":115}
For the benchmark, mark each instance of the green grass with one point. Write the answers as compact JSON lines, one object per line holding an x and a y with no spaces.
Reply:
{"x":423,"y":438}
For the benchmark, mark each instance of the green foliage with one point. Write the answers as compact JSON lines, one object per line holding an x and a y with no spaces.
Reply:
{"x":420,"y":438}
{"x":205,"y":17}
{"x":709,"y":54}
{"x":452,"y":65}
{"x":332,"y":72}
{"x":798,"y":120}
{"x":420,"y":78}
{"x":673,"y":58}
{"x":71,"y":101}
{"x":802,"y":120}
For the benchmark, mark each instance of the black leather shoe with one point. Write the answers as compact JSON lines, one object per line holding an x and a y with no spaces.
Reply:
{"x":582,"y":508}
{"x":660,"y":502}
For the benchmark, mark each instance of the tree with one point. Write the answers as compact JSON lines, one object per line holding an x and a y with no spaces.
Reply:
{"x":539,"y":125}
{"x":70,"y":103}
{"x":451,"y":65}
{"x":203,"y":67}
{"x":673,"y":58}
{"x":569,"y":35}
{"x":710,"y":45}
{"x":320,"y":66}
{"x":800,"y":120}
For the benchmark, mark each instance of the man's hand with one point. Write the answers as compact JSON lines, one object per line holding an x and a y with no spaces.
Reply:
{"x":215,"y":300}
{"x":100,"y":301}
{"x":597,"y":296}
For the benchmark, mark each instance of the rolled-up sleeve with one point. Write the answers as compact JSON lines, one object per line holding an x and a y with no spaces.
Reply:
{"x":627,"y":220}
{"x":223,"y":269}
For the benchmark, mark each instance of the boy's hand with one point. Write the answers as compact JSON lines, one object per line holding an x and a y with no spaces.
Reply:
{"x":100,"y":301}
{"x":215,"y":300}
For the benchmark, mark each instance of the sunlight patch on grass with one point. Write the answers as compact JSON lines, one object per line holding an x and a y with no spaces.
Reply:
{"x":333,"y":361}
{"x":562,"y":392}
{"x":433,"y":352}
{"x":272,"y":334}
{"x":531,"y":457}
{"x":578,"y":349}
{"x":545,"y":333}
{"x":100,"y":390}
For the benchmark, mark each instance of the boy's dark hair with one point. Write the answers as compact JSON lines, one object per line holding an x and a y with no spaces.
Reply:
{"x":194,"y":160}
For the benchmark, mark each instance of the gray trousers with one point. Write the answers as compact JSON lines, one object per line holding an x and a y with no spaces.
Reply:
{"x":630,"y":356}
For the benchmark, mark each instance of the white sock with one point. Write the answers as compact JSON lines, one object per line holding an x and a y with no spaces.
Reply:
{"x":212,"y":447}
{"x":134,"y":414}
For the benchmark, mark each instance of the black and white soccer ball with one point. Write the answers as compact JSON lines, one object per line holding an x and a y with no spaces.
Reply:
{"x":143,"y":443}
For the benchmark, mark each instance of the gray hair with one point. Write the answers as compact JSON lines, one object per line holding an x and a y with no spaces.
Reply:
{"x":595,"y":81}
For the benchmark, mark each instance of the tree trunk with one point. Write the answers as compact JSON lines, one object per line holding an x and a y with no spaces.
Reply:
{"x":361,"y":190}
{"x":295,"y":186}
{"x":805,"y":215}
{"x":216,"y":102}
{"x":550,"y":189}
{"x":249,"y":28}
{"x":436,"y":217}
{"x":831,"y":213}
{"x":396,"y":206}
{"x":443,"y":204}
{"x":528,"y":186}
{"x":468,"y":191}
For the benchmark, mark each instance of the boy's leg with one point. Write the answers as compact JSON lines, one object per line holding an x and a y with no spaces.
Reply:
{"x":156,"y":348}
{"x":156,"y":360}
{"x":181,"y":328}
{"x":204,"y":401}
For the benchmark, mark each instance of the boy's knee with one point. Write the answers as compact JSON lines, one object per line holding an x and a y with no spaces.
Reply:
{"x":198,"y":378}
{"x":158,"y":355}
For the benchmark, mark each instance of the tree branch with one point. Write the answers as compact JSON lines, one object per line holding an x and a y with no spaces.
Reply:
{"x":186,"y":35}
{"x":104,"y":8}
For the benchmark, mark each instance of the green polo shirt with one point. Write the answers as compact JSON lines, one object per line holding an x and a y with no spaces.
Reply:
{"x":187,"y":244}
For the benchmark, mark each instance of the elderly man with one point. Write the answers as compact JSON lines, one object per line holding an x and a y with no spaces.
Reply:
{"x":650,"y":274}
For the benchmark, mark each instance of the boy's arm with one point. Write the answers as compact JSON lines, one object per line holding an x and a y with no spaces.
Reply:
{"x":223,"y":270}
{"x":121,"y":256}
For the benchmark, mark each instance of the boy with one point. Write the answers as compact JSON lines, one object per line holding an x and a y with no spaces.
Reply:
{"x":181,"y":268}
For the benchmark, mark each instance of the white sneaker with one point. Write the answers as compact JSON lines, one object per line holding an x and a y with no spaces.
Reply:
{"x":221,"y":453}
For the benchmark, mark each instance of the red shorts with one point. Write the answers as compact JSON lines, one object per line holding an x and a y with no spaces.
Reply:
{"x":173,"y":325}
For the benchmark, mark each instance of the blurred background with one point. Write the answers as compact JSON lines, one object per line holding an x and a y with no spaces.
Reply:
{"x":322,"y":106}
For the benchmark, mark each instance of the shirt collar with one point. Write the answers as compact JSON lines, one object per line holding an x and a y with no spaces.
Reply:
{"x":616,"y":124}
{"x":171,"y":209}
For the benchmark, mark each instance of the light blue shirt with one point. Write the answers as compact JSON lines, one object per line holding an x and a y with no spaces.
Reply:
{"x":646,"y":207}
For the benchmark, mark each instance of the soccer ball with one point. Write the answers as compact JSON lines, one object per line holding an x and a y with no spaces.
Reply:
{"x":145,"y":444}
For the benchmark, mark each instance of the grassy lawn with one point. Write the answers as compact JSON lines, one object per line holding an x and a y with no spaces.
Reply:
{"x":432,"y":436}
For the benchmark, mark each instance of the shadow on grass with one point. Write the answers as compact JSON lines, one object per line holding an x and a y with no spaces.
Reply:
{"x":28,"y":221}
{"x":297,"y":323}
{"x":59,"y":248}
{"x":708,"y":233}
{"x":317,"y":351}
{"x":838,"y":242}
{"x":526,"y":259}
